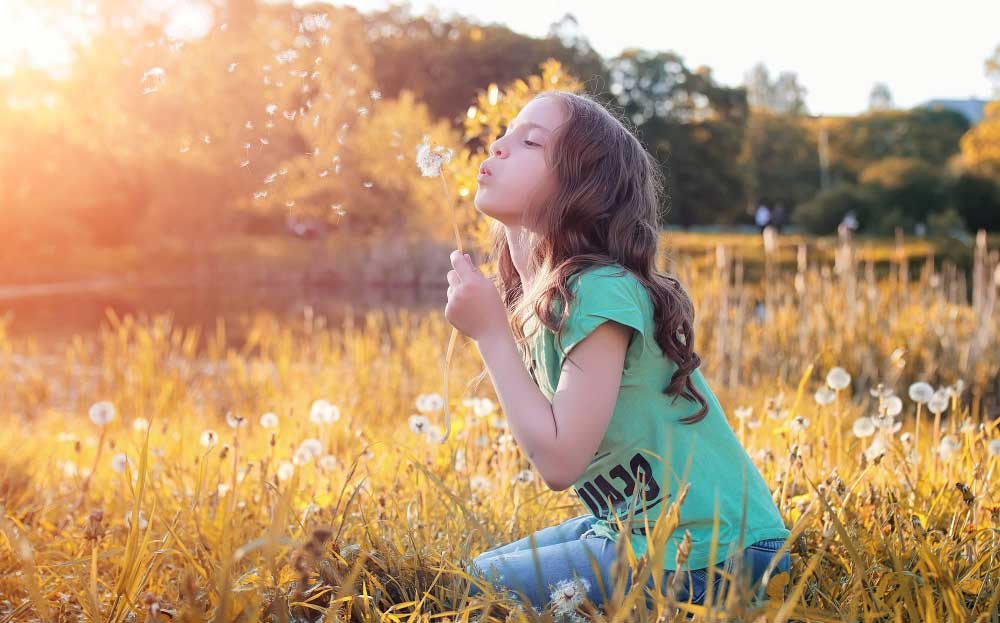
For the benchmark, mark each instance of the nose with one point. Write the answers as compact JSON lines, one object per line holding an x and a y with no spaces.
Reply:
{"x":495,"y":149}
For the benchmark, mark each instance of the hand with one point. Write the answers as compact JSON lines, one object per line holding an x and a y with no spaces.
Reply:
{"x":474,"y":306}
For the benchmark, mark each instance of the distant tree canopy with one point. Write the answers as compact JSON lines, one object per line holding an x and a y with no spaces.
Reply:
{"x":282,"y":112}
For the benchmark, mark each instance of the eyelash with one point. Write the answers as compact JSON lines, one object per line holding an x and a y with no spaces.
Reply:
{"x":505,"y":134}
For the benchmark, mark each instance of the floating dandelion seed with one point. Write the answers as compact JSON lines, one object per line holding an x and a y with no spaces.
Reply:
{"x":223,"y":489}
{"x":101,"y":413}
{"x":290,"y":204}
{"x":363,"y":111}
{"x":270,"y":178}
{"x":285,"y":470}
{"x":921,"y":392}
{"x":353,"y":67}
{"x":270,"y":109}
{"x":368,"y":184}
{"x":338,"y":210}
{"x":824,"y":395}
{"x":289,"y":116}
{"x":260,"y":194}
{"x":322,"y":412}
{"x":269,"y":420}
{"x":185,"y":149}
{"x":863,"y":427}
{"x":140,"y":424}
{"x":207,"y":139}
{"x":248,"y":125}
{"x":152,"y":79}
{"x":287,"y":56}
{"x":838,"y":378}
{"x":209,"y":438}
{"x":232,"y":67}
{"x":430,"y":158}
{"x":118,"y":462}
{"x":375,"y":94}
{"x":324,"y":173}
{"x":244,"y":164}
{"x":235,"y":421}
{"x":419,"y":423}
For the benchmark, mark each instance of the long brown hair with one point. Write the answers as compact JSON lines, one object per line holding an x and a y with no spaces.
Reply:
{"x":604,"y":211}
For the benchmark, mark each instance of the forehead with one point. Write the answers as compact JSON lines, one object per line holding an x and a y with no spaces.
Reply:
{"x":544,"y":111}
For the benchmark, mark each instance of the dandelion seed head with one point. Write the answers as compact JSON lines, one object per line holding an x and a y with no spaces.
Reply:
{"x":323,"y":412}
{"x":101,"y":413}
{"x":419,"y":423}
{"x":431,"y":158}
{"x":483,"y":407}
{"x":798,"y":423}
{"x":285,"y":470}
{"x":743,"y":413}
{"x":948,"y":447}
{"x":313,"y":446}
{"x":235,"y":421}
{"x":838,"y":378}
{"x":429,"y":403}
{"x":938,"y":403}
{"x":568,"y":594}
{"x":893,"y":406}
{"x":118,"y":462}
{"x":824,"y":395}
{"x":921,"y":392}
{"x":863,"y":427}
{"x":993,"y":447}
{"x":208,"y":438}
{"x":269,"y":420}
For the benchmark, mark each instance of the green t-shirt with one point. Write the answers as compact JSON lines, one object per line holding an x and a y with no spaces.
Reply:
{"x":645,"y":426}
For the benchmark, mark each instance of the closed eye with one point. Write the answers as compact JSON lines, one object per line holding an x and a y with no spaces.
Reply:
{"x":532,"y":143}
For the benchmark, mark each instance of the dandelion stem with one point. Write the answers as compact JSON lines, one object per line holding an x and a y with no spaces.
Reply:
{"x":454,"y":332}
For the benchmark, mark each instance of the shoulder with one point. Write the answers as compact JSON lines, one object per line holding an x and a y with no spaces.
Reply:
{"x":607,"y":280}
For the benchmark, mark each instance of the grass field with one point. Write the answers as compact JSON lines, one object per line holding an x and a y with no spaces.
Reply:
{"x":156,"y":473}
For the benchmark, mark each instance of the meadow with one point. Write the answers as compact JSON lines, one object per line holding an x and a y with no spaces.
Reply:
{"x":156,"y":472}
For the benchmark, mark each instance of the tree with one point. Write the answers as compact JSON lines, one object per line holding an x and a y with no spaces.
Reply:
{"x":880,"y":98}
{"x":784,"y":95}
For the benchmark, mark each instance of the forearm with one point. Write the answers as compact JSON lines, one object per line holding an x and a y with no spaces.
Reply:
{"x":529,"y":413}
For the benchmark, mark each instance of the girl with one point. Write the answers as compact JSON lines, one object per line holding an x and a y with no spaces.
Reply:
{"x":575,"y":198}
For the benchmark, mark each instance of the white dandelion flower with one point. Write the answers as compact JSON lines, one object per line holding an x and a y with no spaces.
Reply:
{"x":271,"y":109}
{"x":863,"y":427}
{"x":285,"y":470}
{"x":483,"y":407}
{"x":313,"y":446}
{"x":568,"y":594}
{"x":921,"y":392}
{"x":269,"y":420}
{"x":480,"y":483}
{"x":876,"y":449}
{"x":753,"y":424}
{"x":143,"y":522}
{"x":302,"y":456}
{"x":429,"y":403}
{"x":419,"y":423}
{"x":430,"y":158}
{"x":968,"y":426}
{"x":824,"y":395}
{"x":993,"y":447}
{"x":742,"y":412}
{"x":223,"y":489}
{"x":938,"y":403}
{"x":524,"y":476}
{"x":838,"y":378}
{"x":69,"y":468}
{"x":323,"y":412}
{"x":798,"y":423}
{"x":948,"y":447}
{"x":235,"y":421}
{"x":893,"y":405}
{"x":327,"y":463}
{"x":140,"y":424}
{"x":101,"y":413}
{"x":118,"y":462}
{"x":209,"y":438}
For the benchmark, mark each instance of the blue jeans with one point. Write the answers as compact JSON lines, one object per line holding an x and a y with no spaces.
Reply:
{"x":565,"y":551}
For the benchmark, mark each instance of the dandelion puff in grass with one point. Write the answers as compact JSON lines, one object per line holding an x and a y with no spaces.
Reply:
{"x":921,"y":392}
{"x":480,"y":483}
{"x":483,"y":407}
{"x":119,"y":461}
{"x":863,"y":427}
{"x":302,"y":456}
{"x":143,"y":522}
{"x":523,"y":477}
{"x":993,"y":447}
{"x":313,"y":446}
{"x":235,"y":421}
{"x":323,"y":412}
{"x":938,"y":403}
{"x":838,"y":378}
{"x":948,"y":447}
{"x":327,"y":463}
{"x":568,"y":594}
{"x":140,"y":424}
{"x":742,"y":412}
{"x":429,"y":403}
{"x":209,"y":438}
{"x":419,"y":423}
{"x":269,"y":420}
{"x":101,"y":413}
{"x":285,"y":470}
{"x":893,"y":406}
{"x":798,"y":424}
{"x":431,"y":158}
{"x":824,"y":396}
{"x":876,"y":449}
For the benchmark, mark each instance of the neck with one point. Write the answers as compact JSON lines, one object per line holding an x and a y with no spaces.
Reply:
{"x":518,"y":242}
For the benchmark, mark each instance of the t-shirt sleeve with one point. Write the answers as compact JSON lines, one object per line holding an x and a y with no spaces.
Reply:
{"x":601,"y":297}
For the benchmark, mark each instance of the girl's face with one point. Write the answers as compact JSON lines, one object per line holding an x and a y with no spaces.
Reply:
{"x":518,"y":173}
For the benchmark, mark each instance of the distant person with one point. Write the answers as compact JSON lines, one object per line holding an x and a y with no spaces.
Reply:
{"x":762,"y":217}
{"x":851,"y":221}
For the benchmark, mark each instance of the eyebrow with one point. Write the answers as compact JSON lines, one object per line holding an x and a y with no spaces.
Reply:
{"x":529,"y":124}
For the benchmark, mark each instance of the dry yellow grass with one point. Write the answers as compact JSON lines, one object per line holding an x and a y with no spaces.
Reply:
{"x":351,"y":510}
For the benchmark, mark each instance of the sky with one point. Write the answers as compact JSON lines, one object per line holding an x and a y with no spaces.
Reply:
{"x":838,"y":50}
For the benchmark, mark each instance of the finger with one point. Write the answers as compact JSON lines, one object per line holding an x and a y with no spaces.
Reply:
{"x":453,"y":278}
{"x":461,"y":264}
